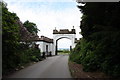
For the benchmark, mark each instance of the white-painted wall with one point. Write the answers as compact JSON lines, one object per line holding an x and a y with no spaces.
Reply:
{"x":58,"y":36}
{"x":52,"y":46}
{"x":42,"y":46}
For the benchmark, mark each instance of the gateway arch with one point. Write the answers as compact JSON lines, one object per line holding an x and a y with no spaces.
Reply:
{"x":63,"y":33}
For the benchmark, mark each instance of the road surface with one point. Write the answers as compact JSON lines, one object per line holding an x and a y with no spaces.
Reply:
{"x":52,"y":67}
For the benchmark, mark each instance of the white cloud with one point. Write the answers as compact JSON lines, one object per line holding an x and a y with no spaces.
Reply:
{"x":46,"y":18}
{"x":63,"y":42}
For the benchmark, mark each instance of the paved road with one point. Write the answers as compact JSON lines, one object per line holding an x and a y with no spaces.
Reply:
{"x":52,"y":67}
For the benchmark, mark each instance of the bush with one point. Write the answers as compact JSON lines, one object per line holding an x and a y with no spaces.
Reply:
{"x":101,"y":53}
{"x":74,"y":54}
{"x":31,"y":54}
{"x":100,"y":47}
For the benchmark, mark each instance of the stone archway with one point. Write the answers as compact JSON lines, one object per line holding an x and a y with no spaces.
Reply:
{"x":63,"y":33}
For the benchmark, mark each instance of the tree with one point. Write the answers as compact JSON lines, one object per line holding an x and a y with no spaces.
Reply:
{"x":15,"y":53}
{"x":10,"y":38}
{"x":31,"y":27}
{"x":100,"y":28}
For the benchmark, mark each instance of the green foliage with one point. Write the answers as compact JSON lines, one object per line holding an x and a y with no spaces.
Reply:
{"x":14,"y":53}
{"x":99,"y":48}
{"x":29,"y":54}
{"x":74,"y":54}
{"x":63,"y":51}
{"x":66,"y":51}
{"x":10,"y":38}
{"x":31,"y":27}
{"x":35,"y":54}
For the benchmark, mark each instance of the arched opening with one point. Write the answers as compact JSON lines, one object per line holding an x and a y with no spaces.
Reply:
{"x":63,"y":45}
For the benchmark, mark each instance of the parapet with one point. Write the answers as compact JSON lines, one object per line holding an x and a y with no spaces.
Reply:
{"x":64,"y":31}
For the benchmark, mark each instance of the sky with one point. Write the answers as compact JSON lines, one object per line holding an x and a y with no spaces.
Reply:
{"x":48,"y":14}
